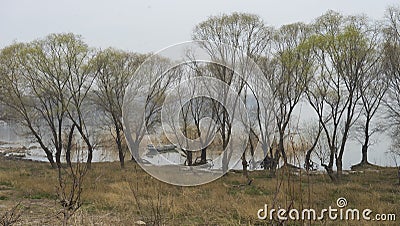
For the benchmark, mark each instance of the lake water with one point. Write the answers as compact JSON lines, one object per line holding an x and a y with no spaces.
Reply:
{"x":10,"y":137}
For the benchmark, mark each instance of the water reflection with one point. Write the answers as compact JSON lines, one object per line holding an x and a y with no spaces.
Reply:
{"x":12,"y":139}
{"x":14,"y":142}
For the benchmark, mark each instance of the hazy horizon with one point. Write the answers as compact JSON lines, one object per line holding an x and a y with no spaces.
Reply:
{"x":148,"y":26}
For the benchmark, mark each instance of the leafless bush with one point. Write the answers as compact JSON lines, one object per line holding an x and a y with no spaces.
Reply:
{"x":11,"y":216}
{"x":151,"y":204}
{"x":152,"y":209}
{"x":293,"y":188}
{"x":69,"y":189}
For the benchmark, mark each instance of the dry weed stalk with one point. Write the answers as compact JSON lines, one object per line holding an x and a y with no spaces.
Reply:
{"x":11,"y":216}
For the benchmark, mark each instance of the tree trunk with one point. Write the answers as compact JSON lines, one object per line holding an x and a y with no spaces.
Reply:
{"x":204,"y":156}
{"x":120,"y":149}
{"x":329,"y":167}
{"x":364,"y":149}
{"x":189,"y":158}
{"x":244,"y":165}
{"x":58,"y":157}
{"x":329,"y":171}
{"x":274,"y":161}
{"x":88,"y":144}
{"x":307,"y":161}
{"x":68,"y":157}
{"x":339,"y":166}
{"x":251,"y":154}
{"x":49,"y":156}
{"x":69,"y":146}
{"x":281,"y":147}
{"x":121,"y":155}
{"x":89,"y":157}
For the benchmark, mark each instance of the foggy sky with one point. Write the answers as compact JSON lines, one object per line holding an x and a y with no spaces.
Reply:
{"x":148,"y":26}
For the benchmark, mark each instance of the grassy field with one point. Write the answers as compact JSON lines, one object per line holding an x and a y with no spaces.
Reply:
{"x":109,"y":196}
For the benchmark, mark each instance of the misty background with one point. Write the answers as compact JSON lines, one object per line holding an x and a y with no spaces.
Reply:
{"x":151,"y":25}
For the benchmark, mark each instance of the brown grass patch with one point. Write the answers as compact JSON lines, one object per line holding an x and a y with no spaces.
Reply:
{"x":109,"y":195}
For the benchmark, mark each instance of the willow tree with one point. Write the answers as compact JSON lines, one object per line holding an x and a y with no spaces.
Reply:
{"x":59,"y":67}
{"x":19,"y":100}
{"x":230,"y":39}
{"x":45,"y":85}
{"x":344,"y":48}
{"x":392,"y":70}
{"x":372,"y":90}
{"x":114,"y":70}
{"x":292,"y":68}
{"x":144,"y":98}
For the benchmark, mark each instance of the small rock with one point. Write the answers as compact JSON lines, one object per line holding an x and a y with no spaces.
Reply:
{"x":15,"y":154}
{"x":140,"y":223}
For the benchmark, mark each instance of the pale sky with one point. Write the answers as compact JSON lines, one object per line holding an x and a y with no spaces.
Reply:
{"x":148,"y":26}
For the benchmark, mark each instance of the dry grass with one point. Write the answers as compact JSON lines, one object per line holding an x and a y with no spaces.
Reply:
{"x":114,"y":196}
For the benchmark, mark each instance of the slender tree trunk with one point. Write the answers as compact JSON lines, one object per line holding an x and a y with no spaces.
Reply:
{"x":274,"y":160}
{"x":329,"y":167}
{"x":244,"y":165}
{"x":59,"y":143}
{"x":275,"y":163}
{"x":307,"y":161}
{"x":69,"y":146}
{"x":204,"y":156}
{"x":189,"y":158}
{"x":58,"y":157}
{"x":339,"y":166}
{"x":281,"y":147}
{"x":89,"y":157}
{"x":49,"y":156}
{"x":339,"y":160}
{"x":364,"y":149}
{"x":88,"y":144}
{"x":329,"y":171}
{"x":251,"y":153}
{"x":121,"y":155}
{"x":68,"y":157}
